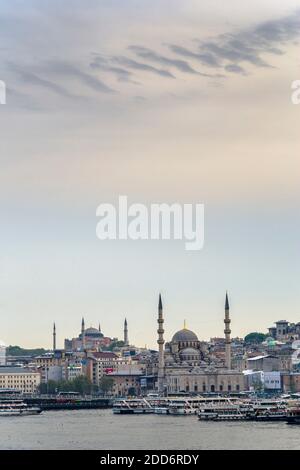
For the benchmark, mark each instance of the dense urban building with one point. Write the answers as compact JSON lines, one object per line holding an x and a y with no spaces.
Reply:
{"x":19,"y":378}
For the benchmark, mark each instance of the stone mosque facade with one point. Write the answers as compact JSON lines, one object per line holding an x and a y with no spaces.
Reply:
{"x":184,"y":365}
{"x":184,"y":348}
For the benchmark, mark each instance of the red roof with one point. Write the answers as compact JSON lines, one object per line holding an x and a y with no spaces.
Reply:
{"x":105,"y":355}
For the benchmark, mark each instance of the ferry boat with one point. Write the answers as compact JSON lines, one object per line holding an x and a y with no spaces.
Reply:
{"x":222,"y":412}
{"x":269,"y":410}
{"x":17,"y":408}
{"x":182,"y":407}
{"x":132,"y":406}
{"x":293,"y":415}
{"x":270,"y":414}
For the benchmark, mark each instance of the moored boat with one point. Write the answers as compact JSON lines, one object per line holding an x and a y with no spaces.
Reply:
{"x":182,"y":407}
{"x":226,"y":412}
{"x":293,"y":415}
{"x":17,"y":408}
{"x":132,"y":406}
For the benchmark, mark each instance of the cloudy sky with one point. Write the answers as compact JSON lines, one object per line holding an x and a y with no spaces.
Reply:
{"x":162,"y":101}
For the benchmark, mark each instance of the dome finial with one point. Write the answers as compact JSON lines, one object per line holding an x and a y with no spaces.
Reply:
{"x":184,"y":325}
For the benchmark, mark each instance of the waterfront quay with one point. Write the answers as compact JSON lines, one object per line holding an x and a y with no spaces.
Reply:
{"x":64,"y":402}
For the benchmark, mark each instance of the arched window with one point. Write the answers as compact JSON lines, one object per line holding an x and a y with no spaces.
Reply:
{"x":212,"y":388}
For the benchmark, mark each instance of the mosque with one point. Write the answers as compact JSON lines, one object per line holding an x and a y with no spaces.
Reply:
{"x":90,"y":339}
{"x":183,"y":363}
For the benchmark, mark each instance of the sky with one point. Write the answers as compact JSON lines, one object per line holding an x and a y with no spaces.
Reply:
{"x":163,"y":101}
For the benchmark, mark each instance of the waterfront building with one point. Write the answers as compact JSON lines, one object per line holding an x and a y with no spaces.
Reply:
{"x":290,"y":382}
{"x":266,"y":363}
{"x":99,"y":364}
{"x":126,"y":383}
{"x":19,"y":378}
{"x":51,"y":365}
{"x":204,"y":380}
{"x":259,"y":380}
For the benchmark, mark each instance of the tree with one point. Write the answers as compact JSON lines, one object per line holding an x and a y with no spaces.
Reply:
{"x":80,"y":384}
{"x":113,"y":345}
{"x":132,"y":391}
{"x":106,"y":384}
{"x":255,"y":337}
{"x":18,"y":351}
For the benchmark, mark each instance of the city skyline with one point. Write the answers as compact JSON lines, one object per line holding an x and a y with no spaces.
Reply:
{"x":101,"y":104}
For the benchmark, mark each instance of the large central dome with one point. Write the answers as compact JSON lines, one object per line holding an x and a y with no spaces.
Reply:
{"x":185,"y":335}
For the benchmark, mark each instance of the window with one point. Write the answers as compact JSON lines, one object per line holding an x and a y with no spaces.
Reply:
{"x":212,"y":388}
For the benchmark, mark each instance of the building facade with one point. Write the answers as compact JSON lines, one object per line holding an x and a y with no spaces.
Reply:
{"x":19,"y":378}
{"x":184,"y":364}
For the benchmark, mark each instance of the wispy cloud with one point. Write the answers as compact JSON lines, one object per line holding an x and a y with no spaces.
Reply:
{"x":245,"y":46}
{"x":205,"y":58}
{"x":148,"y":54}
{"x":133,"y":64}
{"x":67,"y":69}
{"x":122,"y":74}
{"x":32,"y":78}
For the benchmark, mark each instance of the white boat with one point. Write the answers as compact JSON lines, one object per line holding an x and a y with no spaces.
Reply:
{"x":17,"y":408}
{"x":269,"y":410}
{"x":132,"y":406}
{"x":222,"y":412}
{"x":182,"y":407}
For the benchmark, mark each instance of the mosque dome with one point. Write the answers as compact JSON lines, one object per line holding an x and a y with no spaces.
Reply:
{"x":190,"y":352}
{"x":93,"y":332}
{"x":185,"y":335}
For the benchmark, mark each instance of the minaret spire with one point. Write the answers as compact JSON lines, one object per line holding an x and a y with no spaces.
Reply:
{"x":54,"y":337}
{"x":126,"y":340}
{"x":227,"y":332}
{"x":82,"y":334}
{"x":160,"y":341}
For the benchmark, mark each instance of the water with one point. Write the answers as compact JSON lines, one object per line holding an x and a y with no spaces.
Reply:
{"x":100,"y":429}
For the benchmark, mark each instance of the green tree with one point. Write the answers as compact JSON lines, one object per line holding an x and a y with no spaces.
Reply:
{"x":113,"y":345}
{"x":80,"y":384}
{"x":106,"y":384}
{"x":18,"y":351}
{"x":132,"y":391}
{"x":255,"y":337}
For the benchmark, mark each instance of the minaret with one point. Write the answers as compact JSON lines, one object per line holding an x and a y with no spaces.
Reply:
{"x":227,"y":332}
{"x":160,"y":342}
{"x":126,"y":340}
{"x":82,"y":334}
{"x":54,"y":337}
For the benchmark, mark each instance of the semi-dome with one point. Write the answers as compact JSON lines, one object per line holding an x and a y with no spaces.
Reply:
{"x":190,"y":352}
{"x":185,"y":335}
